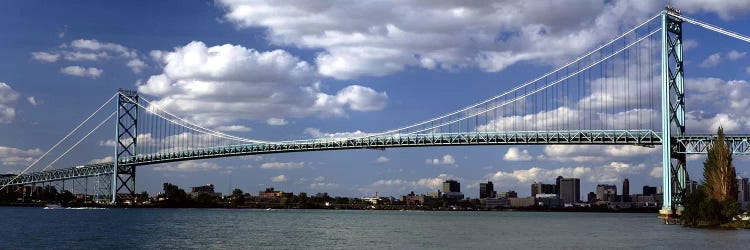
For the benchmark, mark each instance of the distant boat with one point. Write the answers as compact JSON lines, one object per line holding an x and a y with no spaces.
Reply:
{"x":53,"y":206}
{"x":269,"y":209}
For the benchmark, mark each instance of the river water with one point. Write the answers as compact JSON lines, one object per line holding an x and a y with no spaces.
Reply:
{"x":340,"y":229}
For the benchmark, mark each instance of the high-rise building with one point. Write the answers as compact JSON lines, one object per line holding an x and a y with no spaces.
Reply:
{"x":606,"y":192}
{"x":570,"y":190}
{"x":591,"y":197}
{"x":541,"y":188}
{"x":557,"y":185}
{"x":626,"y":190}
{"x":649,"y":190}
{"x":742,"y":189}
{"x":451,"y":186}
{"x":486,"y":190}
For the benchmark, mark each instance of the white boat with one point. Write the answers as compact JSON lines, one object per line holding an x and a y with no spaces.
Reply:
{"x":269,"y":209}
{"x":53,"y":206}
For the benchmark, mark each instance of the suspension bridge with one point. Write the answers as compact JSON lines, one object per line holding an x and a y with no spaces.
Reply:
{"x":628,"y":91}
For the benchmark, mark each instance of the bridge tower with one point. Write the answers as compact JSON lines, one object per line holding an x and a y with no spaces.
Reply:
{"x":674,"y":178}
{"x":126,"y":140}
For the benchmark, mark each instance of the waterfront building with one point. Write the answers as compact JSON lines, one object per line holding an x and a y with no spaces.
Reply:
{"x":270,"y":193}
{"x":649,"y":190}
{"x":557,"y":185}
{"x":451,"y":186}
{"x":454,"y":195}
{"x":412,"y":199}
{"x":452,"y":190}
{"x":522,"y":202}
{"x":492,"y":203}
{"x":570,"y":190}
{"x":205,"y":189}
{"x":591,"y":198}
{"x":541,"y":188}
{"x":486,"y":190}
{"x":626,"y":190}
{"x":435,"y":195}
{"x":606,"y":192}
{"x":743,"y":194}
{"x":548,"y":200}
{"x":509,"y":194}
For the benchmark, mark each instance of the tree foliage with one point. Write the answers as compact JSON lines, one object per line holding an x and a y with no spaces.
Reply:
{"x":716,"y":202}
{"x":719,"y":176}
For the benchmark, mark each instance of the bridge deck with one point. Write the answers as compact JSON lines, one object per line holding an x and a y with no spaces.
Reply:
{"x":614,"y":137}
{"x":693,"y":144}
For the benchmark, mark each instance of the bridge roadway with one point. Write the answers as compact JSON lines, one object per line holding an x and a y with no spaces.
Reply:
{"x":692,"y":144}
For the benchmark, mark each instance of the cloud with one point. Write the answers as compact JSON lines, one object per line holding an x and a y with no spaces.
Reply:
{"x":18,"y":157}
{"x":656,"y":172}
{"x":276,"y":121}
{"x":324,"y":186}
{"x":734,"y":55}
{"x":711,"y":61}
{"x":588,"y":153}
{"x":282,"y":165}
{"x":102,"y":160}
{"x":136,"y":65}
{"x":394,"y":185}
{"x":91,"y":50}
{"x":32,"y":100}
{"x":45,"y":57}
{"x":316,"y":133}
{"x":8,"y":97}
{"x":608,"y":173}
{"x":516,"y":154}
{"x":380,"y":38}
{"x":92,"y":72}
{"x":221,"y":84}
{"x":725,"y":9}
{"x":689,"y":44}
{"x":234,"y":128}
{"x":190,"y":166}
{"x":445,"y":160}
{"x":382,"y":159}
{"x":716,"y":103}
{"x":280,"y":178}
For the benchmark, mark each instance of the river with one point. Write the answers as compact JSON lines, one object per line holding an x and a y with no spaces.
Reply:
{"x":26,"y":227}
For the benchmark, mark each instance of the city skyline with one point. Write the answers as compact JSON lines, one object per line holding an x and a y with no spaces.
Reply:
{"x":59,"y":65}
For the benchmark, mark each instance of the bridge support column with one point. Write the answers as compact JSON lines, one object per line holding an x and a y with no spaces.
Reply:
{"x":126,"y":139}
{"x":674,"y":179}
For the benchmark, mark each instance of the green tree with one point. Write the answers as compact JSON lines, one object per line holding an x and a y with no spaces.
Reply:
{"x":238,"y":197}
{"x":719,"y":176}
{"x":716,"y":202}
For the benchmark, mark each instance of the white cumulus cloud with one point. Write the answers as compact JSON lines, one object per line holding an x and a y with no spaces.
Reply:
{"x":221,"y":84}
{"x":8,"y":97}
{"x":280,"y":178}
{"x":282,"y":165}
{"x":445,"y":160}
{"x":516,"y":154}
{"x":91,"y":72}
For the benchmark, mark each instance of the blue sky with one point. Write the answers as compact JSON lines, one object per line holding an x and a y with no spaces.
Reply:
{"x":366,"y":66}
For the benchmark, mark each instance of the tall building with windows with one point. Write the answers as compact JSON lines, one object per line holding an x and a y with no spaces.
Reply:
{"x":541,"y":188}
{"x":606,"y":192}
{"x":451,"y":186}
{"x":570,"y":190}
{"x":486,"y":190}
{"x":626,"y":190}
{"x":649,"y":190}
{"x":743,"y":194}
{"x":452,"y":190}
{"x":557,"y":185}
